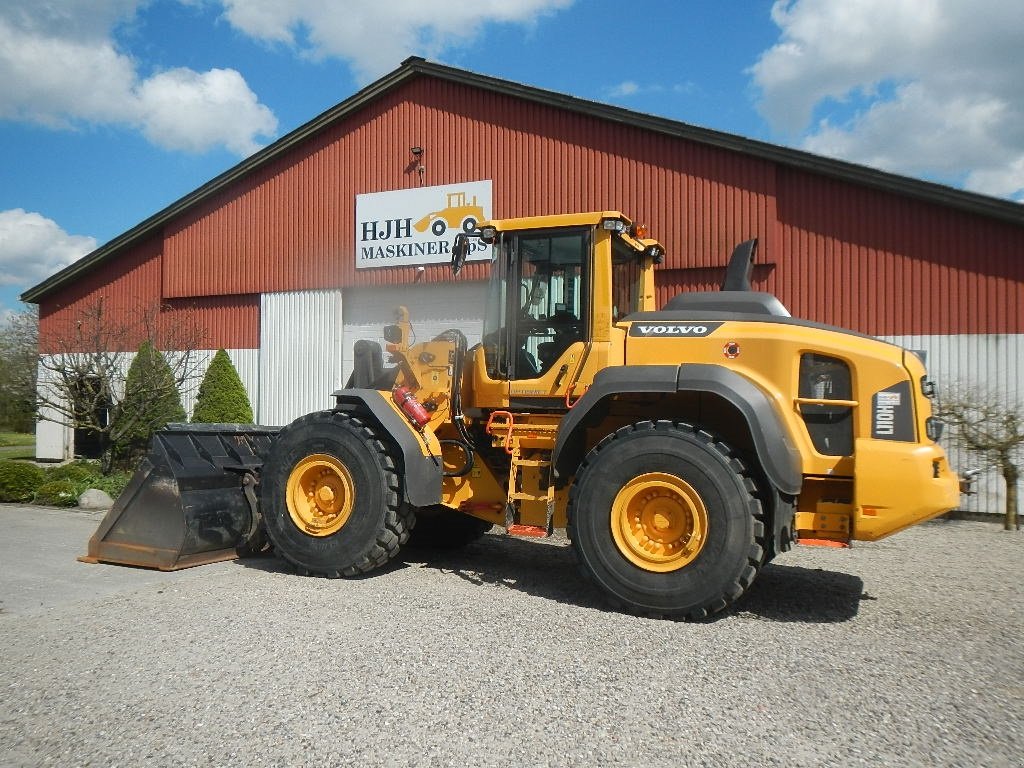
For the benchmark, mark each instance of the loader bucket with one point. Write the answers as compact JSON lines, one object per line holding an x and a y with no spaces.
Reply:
{"x":191,"y":500}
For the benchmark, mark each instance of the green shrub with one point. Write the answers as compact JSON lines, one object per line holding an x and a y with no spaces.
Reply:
{"x":113,"y":484}
{"x":151,"y":401}
{"x":56,"y":493}
{"x":222,"y":397}
{"x":77,"y":472}
{"x":19,"y":480}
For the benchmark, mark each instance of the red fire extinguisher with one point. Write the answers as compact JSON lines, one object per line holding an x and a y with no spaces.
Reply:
{"x":411,"y":407}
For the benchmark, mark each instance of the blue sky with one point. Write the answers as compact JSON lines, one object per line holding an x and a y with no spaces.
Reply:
{"x":112,"y":109}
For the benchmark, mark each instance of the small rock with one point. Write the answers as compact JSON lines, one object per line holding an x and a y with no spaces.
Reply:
{"x":95,"y":499}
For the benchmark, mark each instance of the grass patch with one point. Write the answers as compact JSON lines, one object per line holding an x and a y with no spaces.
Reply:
{"x":17,"y":445}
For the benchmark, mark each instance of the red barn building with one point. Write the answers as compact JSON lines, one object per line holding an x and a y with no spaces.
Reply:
{"x":307,"y":246}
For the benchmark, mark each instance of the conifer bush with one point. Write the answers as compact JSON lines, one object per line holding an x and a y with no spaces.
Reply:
{"x":151,"y":401}
{"x":222,"y":398}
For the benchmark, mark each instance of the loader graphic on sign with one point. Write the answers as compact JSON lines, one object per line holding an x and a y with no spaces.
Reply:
{"x":457,"y":213}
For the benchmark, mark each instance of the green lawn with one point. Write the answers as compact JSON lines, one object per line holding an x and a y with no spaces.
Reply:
{"x":17,"y":445}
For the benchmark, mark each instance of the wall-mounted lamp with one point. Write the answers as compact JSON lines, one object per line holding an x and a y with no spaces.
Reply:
{"x":417,"y":155}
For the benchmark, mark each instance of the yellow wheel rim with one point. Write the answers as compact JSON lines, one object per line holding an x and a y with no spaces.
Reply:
{"x":320,"y":494}
{"x":659,"y":522}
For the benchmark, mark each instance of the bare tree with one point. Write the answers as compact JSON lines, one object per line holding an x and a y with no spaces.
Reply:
{"x":19,"y":345}
{"x":85,"y":367}
{"x":992,"y":429}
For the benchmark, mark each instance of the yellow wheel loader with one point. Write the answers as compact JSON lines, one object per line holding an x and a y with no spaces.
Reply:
{"x":681,"y":448}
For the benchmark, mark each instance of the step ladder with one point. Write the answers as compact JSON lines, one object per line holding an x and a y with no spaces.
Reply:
{"x":517,"y":438}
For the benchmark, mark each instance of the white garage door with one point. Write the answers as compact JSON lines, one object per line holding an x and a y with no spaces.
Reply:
{"x":433,"y":308}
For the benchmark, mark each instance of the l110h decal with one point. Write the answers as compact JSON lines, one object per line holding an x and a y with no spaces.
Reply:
{"x":892,"y":414}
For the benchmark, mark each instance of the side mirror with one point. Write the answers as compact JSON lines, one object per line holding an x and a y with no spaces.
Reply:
{"x":460,"y":250}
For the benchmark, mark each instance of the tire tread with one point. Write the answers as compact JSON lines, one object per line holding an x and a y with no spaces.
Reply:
{"x":737,"y":588}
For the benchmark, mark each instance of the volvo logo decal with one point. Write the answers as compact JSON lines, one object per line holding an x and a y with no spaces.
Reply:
{"x":661,"y":330}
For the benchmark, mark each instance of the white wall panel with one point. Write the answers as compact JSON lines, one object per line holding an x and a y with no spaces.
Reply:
{"x":300,"y":354}
{"x":54,"y":436}
{"x":990,"y":364}
{"x":433,"y":308}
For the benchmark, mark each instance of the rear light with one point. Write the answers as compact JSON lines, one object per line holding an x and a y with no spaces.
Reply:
{"x":934,"y":428}
{"x":927,"y":387}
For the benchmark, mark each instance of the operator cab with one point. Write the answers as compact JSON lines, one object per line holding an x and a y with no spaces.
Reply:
{"x":558,"y":284}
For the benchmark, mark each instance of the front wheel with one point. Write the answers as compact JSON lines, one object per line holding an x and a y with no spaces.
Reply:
{"x":664,"y":519}
{"x":331,"y":497}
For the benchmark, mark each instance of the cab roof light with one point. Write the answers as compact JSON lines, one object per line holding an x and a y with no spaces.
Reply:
{"x":638,"y":232}
{"x":488,"y":234}
{"x":615,"y":225}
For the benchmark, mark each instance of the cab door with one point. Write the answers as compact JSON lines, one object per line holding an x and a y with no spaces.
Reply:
{"x":548,"y":296}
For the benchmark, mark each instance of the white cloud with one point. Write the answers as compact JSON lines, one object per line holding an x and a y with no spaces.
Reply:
{"x":376,"y":36}
{"x":220,"y":108}
{"x":628,"y":88}
{"x":927,"y":87}
{"x":60,"y":67}
{"x":625,"y":88}
{"x":33,"y":247}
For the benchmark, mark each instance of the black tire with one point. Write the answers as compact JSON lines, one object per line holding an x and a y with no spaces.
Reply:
{"x":443,"y":528}
{"x":378,"y":521}
{"x":439,"y":227}
{"x":727,"y":553}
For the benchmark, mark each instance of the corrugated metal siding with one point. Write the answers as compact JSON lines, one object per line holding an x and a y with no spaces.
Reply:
{"x":300,"y":354}
{"x":127,"y":287}
{"x":227,"y":322}
{"x":433,"y":310}
{"x":290,"y":226}
{"x":991,"y":365}
{"x":848,"y":255}
{"x":884,"y":264}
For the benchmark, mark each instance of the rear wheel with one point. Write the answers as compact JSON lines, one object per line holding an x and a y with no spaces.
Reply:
{"x":331,"y":497}
{"x":664,"y":519}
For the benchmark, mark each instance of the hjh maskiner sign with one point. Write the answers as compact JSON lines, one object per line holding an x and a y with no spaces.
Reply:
{"x":417,"y":226}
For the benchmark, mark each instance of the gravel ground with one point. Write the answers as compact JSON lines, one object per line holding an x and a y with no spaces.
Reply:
{"x":906,"y":652}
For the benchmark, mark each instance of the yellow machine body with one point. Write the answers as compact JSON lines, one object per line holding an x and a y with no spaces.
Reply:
{"x":875,"y":486}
